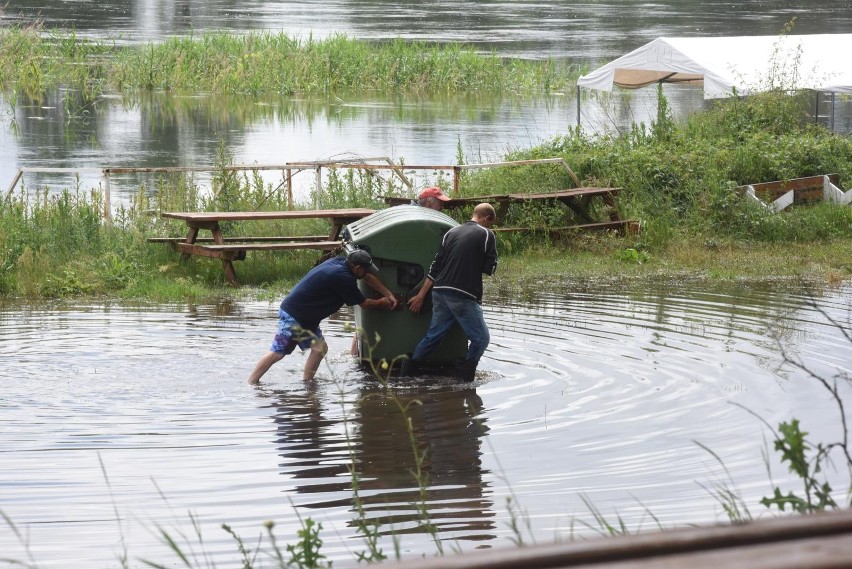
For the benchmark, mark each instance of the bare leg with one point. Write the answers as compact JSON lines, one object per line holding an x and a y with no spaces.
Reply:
{"x":263,"y":366}
{"x":318,"y":350}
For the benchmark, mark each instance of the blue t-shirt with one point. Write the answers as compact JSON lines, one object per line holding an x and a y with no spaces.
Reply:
{"x":322,"y":292}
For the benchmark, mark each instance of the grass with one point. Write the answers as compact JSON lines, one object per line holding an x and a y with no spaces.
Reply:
{"x":56,"y":245}
{"x":678,"y":178}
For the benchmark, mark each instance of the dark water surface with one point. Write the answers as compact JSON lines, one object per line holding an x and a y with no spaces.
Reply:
{"x":583,"y":31}
{"x":116,"y":420}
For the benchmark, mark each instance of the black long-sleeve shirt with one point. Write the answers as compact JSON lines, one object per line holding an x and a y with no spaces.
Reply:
{"x":467,"y":252}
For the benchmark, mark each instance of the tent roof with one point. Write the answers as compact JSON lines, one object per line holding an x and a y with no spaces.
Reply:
{"x":748,"y":63}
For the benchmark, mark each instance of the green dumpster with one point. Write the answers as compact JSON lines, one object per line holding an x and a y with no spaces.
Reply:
{"x":403,"y":241}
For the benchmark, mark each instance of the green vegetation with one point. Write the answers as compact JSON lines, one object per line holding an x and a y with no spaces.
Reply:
{"x":678,"y":179}
{"x":32,"y":60}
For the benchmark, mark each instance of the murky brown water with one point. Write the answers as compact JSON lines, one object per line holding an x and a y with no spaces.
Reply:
{"x":118,"y":419}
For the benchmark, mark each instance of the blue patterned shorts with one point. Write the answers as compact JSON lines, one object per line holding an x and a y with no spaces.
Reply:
{"x":291,"y":334}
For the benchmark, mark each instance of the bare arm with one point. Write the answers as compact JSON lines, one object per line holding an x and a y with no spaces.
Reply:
{"x":379,"y":287}
{"x":415,"y":303}
{"x":373,"y":303}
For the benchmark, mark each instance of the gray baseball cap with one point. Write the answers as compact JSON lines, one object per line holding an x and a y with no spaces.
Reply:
{"x":362,"y":258}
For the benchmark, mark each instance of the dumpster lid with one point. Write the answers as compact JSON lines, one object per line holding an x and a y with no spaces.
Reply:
{"x":397,"y":215}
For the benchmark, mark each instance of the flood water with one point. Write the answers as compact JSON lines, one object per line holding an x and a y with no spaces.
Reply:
{"x":117,"y":420}
{"x":65,"y":131}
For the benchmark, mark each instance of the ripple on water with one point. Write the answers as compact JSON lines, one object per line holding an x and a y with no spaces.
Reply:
{"x":628,"y":401}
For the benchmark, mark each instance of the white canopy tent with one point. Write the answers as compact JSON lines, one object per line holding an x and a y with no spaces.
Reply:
{"x":724,"y":65}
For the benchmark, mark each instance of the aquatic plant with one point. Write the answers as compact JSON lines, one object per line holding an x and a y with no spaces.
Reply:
{"x":263,"y":62}
{"x":805,"y":459}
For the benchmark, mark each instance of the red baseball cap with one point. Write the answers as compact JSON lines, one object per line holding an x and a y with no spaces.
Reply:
{"x":433,"y":192}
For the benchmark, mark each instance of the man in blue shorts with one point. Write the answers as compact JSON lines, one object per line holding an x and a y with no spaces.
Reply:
{"x":319,"y":294}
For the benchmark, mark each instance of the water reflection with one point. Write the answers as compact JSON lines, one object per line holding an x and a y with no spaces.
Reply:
{"x":594,"y":390}
{"x":441,"y":487}
{"x":164,"y":129}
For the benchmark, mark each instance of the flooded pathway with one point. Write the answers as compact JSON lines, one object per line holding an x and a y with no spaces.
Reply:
{"x":116,"y":420}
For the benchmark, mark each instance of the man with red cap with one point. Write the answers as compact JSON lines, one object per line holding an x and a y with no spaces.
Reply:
{"x":431,"y":197}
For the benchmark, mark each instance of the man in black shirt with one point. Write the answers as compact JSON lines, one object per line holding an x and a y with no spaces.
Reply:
{"x":455,"y":278}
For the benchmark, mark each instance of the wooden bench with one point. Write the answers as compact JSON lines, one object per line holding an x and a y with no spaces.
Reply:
{"x":779,"y":194}
{"x":234,"y":248}
{"x":577,"y":199}
{"x":630,"y":226}
{"x":237,"y":251}
{"x":816,"y":541}
{"x":174,"y":240}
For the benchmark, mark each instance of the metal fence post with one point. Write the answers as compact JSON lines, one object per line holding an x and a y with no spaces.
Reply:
{"x":107,"y":192}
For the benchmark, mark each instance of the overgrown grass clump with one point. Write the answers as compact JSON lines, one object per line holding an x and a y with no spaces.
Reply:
{"x":680,"y":178}
{"x":32,"y":60}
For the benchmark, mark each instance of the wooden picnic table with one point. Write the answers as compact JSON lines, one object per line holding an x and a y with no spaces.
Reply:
{"x":233,"y":248}
{"x":577,"y":199}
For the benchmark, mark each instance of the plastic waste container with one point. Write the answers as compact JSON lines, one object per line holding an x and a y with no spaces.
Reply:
{"x":403,"y":241}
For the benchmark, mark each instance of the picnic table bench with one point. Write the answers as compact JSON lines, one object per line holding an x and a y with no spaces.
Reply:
{"x":233,"y":248}
{"x":577,"y":199}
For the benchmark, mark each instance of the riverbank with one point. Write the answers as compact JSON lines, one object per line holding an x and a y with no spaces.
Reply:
{"x":591,"y":261}
{"x":59,"y":247}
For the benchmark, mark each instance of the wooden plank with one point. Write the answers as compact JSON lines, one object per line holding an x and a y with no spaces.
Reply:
{"x":825,"y":538}
{"x":236,"y":251}
{"x":795,"y":183}
{"x":259,"y":239}
{"x":325,"y":245}
{"x":567,"y":228}
{"x":815,"y":553}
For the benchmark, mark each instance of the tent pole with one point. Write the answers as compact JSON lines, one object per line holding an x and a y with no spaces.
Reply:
{"x":832,"y":110}
{"x":578,"y":105}
{"x":816,"y":109}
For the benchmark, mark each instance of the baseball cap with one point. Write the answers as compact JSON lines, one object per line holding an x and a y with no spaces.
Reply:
{"x":362,"y":258}
{"x":433,"y":192}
